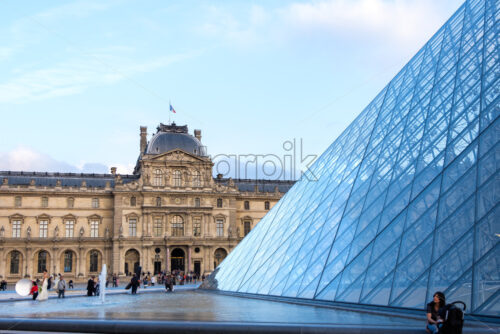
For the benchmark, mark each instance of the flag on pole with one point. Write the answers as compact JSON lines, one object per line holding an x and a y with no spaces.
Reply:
{"x":172,"y":109}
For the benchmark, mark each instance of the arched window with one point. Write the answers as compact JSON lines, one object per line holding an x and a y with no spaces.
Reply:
{"x":42,"y":261}
{"x":71,"y":202}
{"x":15,"y":259}
{"x":177,"y":178}
{"x":158,"y":227}
{"x":197,"y":202}
{"x":219,"y":226}
{"x":157,"y":178}
{"x":247,"y":205}
{"x":158,"y":201}
{"x":68,"y":261}
{"x":94,"y":261}
{"x":266,"y":205}
{"x":219,"y":255}
{"x":247,"y":226}
{"x":133,"y":201}
{"x":219,"y":202}
{"x":177,"y":226}
{"x":196,"y":179}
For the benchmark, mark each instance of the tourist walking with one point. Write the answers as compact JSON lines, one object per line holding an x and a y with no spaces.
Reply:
{"x":114,"y":281}
{"x":44,"y":293}
{"x":134,"y":283}
{"x":153,"y":280}
{"x":91,"y":286}
{"x":61,"y":287}
{"x":169,"y":285}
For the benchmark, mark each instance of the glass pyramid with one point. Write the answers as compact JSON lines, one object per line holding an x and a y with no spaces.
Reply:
{"x":406,"y":201}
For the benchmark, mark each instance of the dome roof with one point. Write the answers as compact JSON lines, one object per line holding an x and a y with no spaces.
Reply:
{"x":166,"y":140}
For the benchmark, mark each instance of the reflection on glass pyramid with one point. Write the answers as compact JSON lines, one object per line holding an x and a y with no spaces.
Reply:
{"x":406,"y":200}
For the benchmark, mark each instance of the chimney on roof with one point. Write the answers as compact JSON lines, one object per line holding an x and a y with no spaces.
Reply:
{"x":197,"y":134}
{"x":113,"y":170}
{"x":144,"y":142}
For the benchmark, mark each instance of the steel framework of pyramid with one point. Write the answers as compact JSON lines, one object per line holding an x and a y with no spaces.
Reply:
{"x":405,"y":202}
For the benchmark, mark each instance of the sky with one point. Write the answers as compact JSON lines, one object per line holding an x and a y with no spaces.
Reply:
{"x":78,"y":78}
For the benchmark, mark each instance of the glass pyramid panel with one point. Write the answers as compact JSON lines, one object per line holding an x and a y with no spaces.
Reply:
{"x":406,"y":200}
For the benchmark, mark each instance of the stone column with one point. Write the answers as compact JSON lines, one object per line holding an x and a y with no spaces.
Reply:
{"x":150,"y":225}
{"x":29,"y":263}
{"x":3,"y":265}
{"x":80,"y":261}
{"x":189,"y":260}
{"x":56,"y":261}
{"x":147,"y":262}
{"x":167,"y":267}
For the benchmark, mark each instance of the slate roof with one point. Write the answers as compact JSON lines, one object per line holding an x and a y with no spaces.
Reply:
{"x":67,"y":179}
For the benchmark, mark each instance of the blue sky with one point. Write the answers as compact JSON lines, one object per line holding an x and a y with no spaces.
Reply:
{"x":78,"y":78}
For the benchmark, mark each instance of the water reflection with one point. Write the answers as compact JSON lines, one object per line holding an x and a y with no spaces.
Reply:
{"x":191,"y":306}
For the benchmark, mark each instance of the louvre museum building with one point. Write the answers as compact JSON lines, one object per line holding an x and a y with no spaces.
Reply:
{"x":170,"y":214}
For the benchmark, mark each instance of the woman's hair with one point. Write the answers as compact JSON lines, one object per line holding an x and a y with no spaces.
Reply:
{"x":441,"y":297}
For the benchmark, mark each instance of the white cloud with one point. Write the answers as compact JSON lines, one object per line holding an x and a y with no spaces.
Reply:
{"x":24,"y":158}
{"x":408,"y":23}
{"x":27,"y":159}
{"x":404,"y":21}
{"x":76,"y":75}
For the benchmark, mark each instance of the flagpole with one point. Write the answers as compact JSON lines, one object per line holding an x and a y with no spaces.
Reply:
{"x":169,"y":104}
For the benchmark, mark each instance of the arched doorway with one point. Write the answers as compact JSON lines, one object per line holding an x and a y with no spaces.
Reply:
{"x":177,"y":260}
{"x":219,"y":255}
{"x":132,"y":261}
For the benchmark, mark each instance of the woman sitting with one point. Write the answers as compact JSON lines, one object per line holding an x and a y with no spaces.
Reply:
{"x":436,"y":313}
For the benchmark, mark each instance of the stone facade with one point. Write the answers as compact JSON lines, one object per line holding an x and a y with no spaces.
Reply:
{"x":170,"y":214}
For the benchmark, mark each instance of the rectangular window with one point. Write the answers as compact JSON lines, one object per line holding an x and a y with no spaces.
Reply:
{"x":68,"y":262}
{"x":219,"y":202}
{"x":70,"y":228}
{"x":197,"y":202}
{"x":14,"y":262}
{"x":196,"y":179}
{"x":247,"y":205}
{"x":158,"y":227}
{"x":95,"y":203}
{"x":16,"y":229}
{"x":71,"y":202}
{"x":266,"y":205}
{"x":45,"y":202}
{"x":247,"y":227}
{"x":94,"y":229}
{"x":132,"y":227}
{"x":44,"y":228}
{"x":196,"y":227}
{"x":157,"y":179}
{"x":18,"y":201}
{"x":220,"y":227}
{"x":177,"y":178}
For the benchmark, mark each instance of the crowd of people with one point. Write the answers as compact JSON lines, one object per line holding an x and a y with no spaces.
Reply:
{"x":162,"y":278}
{"x":40,"y":287}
